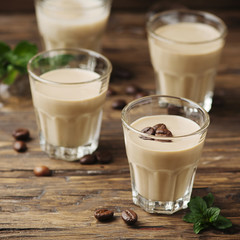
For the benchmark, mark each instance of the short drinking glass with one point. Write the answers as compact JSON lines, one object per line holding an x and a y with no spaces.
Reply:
{"x":68,"y":90}
{"x":164,"y":137}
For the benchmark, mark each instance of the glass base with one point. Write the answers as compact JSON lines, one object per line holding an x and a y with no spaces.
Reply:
{"x":168,"y":207}
{"x":207,"y":105}
{"x":64,"y":153}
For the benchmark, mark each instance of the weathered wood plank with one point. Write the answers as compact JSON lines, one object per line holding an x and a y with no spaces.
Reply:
{"x":62,"y":206}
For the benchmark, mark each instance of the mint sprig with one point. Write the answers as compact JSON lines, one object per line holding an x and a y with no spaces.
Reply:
{"x":13,"y":62}
{"x":204,"y":215}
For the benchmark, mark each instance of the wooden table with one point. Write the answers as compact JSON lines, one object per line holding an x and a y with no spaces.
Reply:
{"x":62,"y":206}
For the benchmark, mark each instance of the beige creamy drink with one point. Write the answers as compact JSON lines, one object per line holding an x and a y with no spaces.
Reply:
{"x":71,"y":23}
{"x":185,"y":59}
{"x":69,"y":115}
{"x":163,"y":171}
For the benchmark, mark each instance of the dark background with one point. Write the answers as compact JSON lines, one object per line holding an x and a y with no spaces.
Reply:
{"x":13,"y":6}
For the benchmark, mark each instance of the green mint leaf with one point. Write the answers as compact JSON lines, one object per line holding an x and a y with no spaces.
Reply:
{"x":2,"y":72}
{"x":12,"y":74}
{"x":222,"y":223}
{"x":192,"y":217}
{"x":189,"y":217}
{"x":211,"y":214}
{"x":197,"y":205}
{"x":198,"y":226}
{"x":50,"y":63}
{"x":209,"y":199}
{"x":24,"y":48}
{"x":4,"y":48}
{"x":14,"y":62}
{"x":22,"y":53}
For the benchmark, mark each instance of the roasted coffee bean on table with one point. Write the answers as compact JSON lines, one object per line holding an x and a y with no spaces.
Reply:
{"x":21,"y":134}
{"x":119,"y":104}
{"x":129,"y":217}
{"x":20,"y":146}
{"x":103,"y":214}
{"x":42,"y":171}
{"x":88,"y":159}
{"x":103,"y":157}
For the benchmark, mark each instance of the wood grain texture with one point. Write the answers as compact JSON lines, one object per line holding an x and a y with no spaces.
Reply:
{"x":62,"y":206}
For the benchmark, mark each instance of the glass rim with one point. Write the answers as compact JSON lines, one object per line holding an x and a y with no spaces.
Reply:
{"x":134,"y":102}
{"x":101,"y":4}
{"x":76,"y":50}
{"x":195,"y":12}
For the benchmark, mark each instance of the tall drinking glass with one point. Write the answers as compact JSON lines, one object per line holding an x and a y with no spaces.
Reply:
{"x":185,"y":48}
{"x":72,"y":23}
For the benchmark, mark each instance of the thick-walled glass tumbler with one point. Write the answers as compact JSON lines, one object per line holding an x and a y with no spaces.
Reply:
{"x":164,"y":137}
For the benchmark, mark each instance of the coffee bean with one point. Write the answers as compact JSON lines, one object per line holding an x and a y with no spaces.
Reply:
{"x":141,"y":94}
{"x":162,"y":131}
{"x":21,"y":134}
{"x":20,"y":146}
{"x":88,"y":159}
{"x":129,"y":217}
{"x":149,"y":131}
{"x":103,"y":214}
{"x":42,"y":171}
{"x":160,"y":126}
{"x":111,"y":92}
{"x":119,"y":104}
{"x":132,"y":89}
{"x":103,"y":157}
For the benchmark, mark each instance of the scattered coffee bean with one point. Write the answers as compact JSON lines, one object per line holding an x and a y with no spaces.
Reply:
{"x":132,"y":89}
{"x":103,"y":214}
{"x":88,"y":159}
{"x":20,"y":146}
{"x":141,"y":94}
{"x":42,"y":171}
{"x":129,"y":217}
{"x":103,"y":157}
{"x":21,"y":134}
{"x":119,"y":104}
{"x":111,"y":92}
